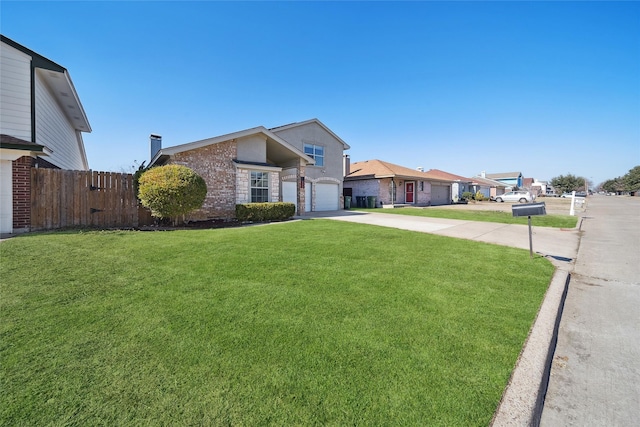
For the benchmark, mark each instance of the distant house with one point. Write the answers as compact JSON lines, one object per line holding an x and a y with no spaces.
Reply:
{"x":41,"y":125}
{"x":299,"y":163}
{"x":509,"y":179}
{"x":393,"y":184}
{"x":487,"y":187}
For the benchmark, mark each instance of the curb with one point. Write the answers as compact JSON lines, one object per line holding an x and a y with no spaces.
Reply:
{"x":523,"y":398}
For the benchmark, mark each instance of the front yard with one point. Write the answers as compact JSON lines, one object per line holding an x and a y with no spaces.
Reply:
{"x":300,"y":323}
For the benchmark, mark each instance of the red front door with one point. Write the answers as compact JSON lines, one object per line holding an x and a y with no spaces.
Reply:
{"x":408,"y":192}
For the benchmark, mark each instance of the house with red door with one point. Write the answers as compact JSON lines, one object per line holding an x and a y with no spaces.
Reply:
{"x":394,"y":185}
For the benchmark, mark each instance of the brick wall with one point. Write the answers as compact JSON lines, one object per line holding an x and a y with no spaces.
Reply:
{"x":22,"y":193}
{"x":213,"y":163}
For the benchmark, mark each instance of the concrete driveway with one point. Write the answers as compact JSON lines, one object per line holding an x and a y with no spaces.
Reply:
{"x":559,"y":245}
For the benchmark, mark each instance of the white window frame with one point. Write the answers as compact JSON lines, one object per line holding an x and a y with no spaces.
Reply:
{"x":265,"y":179}
{"x":314,"y":155}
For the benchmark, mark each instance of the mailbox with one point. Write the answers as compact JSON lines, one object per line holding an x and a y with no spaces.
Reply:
{"x":529,"y":209}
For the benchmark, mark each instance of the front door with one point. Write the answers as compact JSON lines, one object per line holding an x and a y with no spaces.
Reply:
{"x":408,"y":192}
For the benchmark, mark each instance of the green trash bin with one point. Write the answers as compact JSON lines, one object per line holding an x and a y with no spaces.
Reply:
{"x":371,"y":202}
{"x":347,"y":202}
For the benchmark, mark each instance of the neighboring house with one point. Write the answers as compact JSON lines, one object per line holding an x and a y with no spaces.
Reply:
{"x":487,"y":187}
{"x":510,"y":179}
{"x":542,"y":187}
{"x":41,"y":125}
{"x":459,"y":184}
{"x":395,"y":185}
{"x":299,"y":163}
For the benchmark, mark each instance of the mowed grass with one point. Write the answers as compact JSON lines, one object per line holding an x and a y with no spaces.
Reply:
{"x":301,"y":323}
{"x":556,"y":221}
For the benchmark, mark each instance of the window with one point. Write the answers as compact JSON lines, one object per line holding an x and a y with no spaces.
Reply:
{"x":316,"y":152}
{"x":259,"y":187}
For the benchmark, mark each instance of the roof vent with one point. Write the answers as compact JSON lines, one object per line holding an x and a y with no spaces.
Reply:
{"x":420,"y":168}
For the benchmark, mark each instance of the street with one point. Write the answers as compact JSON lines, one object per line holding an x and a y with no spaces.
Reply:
{"x":595,"y":375}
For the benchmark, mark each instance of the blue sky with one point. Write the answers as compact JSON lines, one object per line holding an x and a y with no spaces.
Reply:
{"x":544,"y":88}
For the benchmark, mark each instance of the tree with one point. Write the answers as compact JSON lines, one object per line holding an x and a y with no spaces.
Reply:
{"x":632,"y":179}
{"x":568,"y":183}
{"x":171,"y":191}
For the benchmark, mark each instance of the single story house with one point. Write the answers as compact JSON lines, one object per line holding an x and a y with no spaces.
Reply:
{"x":487,"y":187}
{"x":41,"y":125}
{"x":299,"y":163}
{"x":510,"y":179}
{"x":395,"y":185}
{"x":459,"y":184}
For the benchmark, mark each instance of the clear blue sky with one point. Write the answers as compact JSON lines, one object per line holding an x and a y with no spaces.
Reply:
{"x":543,"y":88}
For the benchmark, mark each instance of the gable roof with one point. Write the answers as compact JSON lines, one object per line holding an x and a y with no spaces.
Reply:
{"x":487,"y":182}
{"x":379,"y":169}
{"x":306,"y":122}
{"x":276,"y":143}
{"x":58,"y":79}
{"x":447,"y":176}
{"x":504,"y":175}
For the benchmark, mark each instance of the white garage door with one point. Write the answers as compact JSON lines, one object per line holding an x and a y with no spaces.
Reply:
{"x":440,"y":195}
{"x":6,"y":197}
{"x":289,"y":193}
{"x":327,"y":197}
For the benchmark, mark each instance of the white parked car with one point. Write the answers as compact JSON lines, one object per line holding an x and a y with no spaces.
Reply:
{"x":516,"y":196}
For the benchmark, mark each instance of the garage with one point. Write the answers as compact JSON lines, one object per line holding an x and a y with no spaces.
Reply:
{"x":327,"y":197}
{"x":440,"y":195}
{"x":290,"y":193}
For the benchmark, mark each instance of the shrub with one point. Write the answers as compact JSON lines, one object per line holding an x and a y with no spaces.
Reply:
{"x":467,"y":195}
{"x":171,"y":191}
{"x":265,"y":211}
{"x":479,"y":196}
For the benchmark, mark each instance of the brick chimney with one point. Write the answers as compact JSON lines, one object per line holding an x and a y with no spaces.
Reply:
{"x":156,"y":144}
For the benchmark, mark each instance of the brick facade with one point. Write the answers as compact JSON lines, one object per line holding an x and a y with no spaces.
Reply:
{"x":215,"y":165}
{"x":21,"y":174}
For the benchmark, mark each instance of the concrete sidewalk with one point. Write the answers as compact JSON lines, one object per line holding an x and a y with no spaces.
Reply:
{"x":522,"y":401}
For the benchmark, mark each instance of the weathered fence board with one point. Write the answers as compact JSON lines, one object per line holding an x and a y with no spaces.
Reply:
{"x":61,"y":198}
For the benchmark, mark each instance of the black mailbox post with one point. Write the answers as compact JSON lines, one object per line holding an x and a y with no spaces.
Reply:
{"x":529,"y":210}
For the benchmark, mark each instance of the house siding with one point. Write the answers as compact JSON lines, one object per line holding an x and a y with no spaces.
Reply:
{"x":15,"y":93}
{"x":313,"y":133}
{"x":214,"y":164}
{"x":54,"y":130}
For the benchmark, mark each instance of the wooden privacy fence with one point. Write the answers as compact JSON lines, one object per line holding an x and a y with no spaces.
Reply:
{"x":62,"y":198}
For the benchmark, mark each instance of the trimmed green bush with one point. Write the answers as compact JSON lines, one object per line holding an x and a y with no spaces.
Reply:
{"x":171,"y":191}
{"x":259,"y":212}
{"x":467,"y":195}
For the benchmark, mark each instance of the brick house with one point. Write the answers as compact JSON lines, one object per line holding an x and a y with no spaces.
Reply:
{"x":299,"y":163}
{"x":393,"y":184}
{"x":41,"y":125}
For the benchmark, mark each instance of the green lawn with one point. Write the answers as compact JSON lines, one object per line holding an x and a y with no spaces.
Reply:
{"x":301,"y":323}
{"x":557,"y":221}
